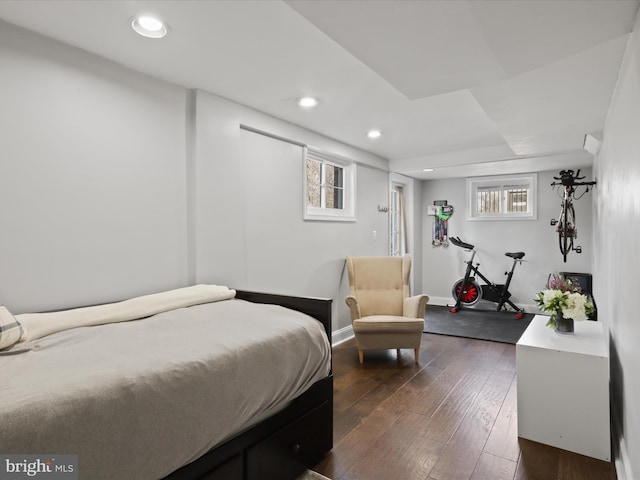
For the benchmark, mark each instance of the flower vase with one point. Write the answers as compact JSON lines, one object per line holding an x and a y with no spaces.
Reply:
{"x":564,"y":325}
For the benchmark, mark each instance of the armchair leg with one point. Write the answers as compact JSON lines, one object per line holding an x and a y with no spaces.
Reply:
{"x":361,"y":355}
{"x":416,"y":352}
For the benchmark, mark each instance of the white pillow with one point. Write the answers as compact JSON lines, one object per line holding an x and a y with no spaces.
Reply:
{"x":10,"y":329}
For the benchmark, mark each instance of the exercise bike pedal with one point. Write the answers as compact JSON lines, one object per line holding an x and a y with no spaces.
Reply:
{"x":454,"y":310}
{"x":519,"y":315}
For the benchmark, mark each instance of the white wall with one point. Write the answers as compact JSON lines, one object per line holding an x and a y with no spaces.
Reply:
{"x":537,"y":238}
{"x":616,"y":267}
{"x":92,"y":177}
{"x":250,"y":231}
{"x":116,"y":184}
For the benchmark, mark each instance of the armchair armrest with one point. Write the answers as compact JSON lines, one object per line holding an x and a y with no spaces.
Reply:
{"x":414,"y":306}
{"x":354,"y":307}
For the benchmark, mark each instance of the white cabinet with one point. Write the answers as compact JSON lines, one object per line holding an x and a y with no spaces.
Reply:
{"x":563,"y":388}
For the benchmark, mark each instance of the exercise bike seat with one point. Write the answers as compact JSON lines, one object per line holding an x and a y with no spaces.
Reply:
{"x":515,"y":255}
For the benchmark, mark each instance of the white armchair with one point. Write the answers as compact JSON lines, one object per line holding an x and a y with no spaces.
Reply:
{"x":383,"y":313}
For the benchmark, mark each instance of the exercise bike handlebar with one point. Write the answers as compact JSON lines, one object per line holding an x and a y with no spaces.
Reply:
{"x":459,"y":243}
{"x":467,"y":246}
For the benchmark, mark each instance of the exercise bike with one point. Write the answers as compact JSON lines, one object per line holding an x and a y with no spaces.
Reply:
{"x":467,"y":291}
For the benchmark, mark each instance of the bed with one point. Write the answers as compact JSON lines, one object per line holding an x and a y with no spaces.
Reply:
{"x":238,"y":388}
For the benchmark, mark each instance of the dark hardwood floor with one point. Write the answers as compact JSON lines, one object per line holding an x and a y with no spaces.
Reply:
{"x":450,"y":417}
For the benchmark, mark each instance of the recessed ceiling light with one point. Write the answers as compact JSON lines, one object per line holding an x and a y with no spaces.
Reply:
{"x":308,"y":102}
{"x":427,"y":169}
{"x":374,"y":134}
{"x":149,"y":27}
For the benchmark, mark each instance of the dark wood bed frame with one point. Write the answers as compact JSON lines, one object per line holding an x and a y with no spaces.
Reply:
{"x":280,"y":447}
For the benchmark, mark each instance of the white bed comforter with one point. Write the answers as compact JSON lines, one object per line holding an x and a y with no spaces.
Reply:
{"x":139,"y":399}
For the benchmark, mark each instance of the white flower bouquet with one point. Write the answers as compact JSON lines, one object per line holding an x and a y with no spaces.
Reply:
{"x":565,"y":298}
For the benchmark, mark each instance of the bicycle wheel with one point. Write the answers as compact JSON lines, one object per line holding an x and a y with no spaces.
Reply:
{"x":566,"y":228}
{"x":469,"y":294}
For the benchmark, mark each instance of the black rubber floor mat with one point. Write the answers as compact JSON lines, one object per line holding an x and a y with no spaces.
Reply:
{"x":495,"y":326}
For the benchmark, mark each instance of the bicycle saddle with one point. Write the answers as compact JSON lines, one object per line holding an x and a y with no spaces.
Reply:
{"x":515,"y":255}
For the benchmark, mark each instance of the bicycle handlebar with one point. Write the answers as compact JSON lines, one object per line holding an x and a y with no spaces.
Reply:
{"x":569,"y":174}
{"x":568,"y":179}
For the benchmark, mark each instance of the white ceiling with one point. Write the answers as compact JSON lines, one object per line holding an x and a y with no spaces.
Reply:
{"x":465,"y":87}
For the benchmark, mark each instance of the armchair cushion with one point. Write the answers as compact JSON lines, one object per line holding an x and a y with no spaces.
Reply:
{"x":388,"y":324}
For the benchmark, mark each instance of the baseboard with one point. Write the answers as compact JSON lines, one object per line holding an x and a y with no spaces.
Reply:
{"x":622,"y":459}
{"x":342,"y":335}
{"x":531,"y":308}
{"x":440,"y":301}
{"x":621,"y":470}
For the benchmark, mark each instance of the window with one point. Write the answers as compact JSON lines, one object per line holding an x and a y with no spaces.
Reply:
{"x":501,"y":198}
{"x":329,"y":187}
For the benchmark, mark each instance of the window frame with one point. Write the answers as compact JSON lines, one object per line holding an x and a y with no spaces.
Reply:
{"x":502,"y":182}
{"x":348,"y":211}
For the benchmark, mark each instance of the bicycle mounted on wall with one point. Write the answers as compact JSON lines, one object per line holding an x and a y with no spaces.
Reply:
{"x":566,"y":224}
{"x":467,"y":291}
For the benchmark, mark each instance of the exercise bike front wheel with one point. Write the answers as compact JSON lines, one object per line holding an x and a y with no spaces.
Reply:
{"x":468,"y":293}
